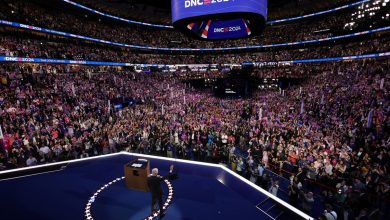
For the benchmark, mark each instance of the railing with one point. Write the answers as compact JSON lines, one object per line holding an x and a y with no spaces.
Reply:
{"x":314,"y":182}
{"x":102,"y":63}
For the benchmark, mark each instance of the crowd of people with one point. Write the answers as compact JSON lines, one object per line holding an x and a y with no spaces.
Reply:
{"x":329,"y":134}
{"x":140,"y":12}
{"x":295,"y":8}
{"x":333,"y":129}
{"x":39,"y":14}
{"x":303,"y":7}
{"x":24,"y":44}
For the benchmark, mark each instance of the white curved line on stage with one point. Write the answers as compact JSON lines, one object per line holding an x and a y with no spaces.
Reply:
{"x":168,"y":201}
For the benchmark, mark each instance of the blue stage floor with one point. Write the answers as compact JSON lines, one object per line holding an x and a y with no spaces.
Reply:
{"x":201,"y":192}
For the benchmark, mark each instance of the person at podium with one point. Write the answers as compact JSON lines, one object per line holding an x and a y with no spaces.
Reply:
{"x":154,"y":184}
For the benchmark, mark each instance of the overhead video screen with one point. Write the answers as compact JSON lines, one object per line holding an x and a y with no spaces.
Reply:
{"x":219,"y":19}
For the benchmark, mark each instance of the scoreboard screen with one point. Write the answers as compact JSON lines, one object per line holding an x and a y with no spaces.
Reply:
{"x":219,"y":19}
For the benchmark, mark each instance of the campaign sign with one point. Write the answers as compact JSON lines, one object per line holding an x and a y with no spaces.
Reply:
{"x":236,"y":28}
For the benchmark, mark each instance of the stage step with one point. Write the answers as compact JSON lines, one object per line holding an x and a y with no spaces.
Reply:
{"x":271,"y":208}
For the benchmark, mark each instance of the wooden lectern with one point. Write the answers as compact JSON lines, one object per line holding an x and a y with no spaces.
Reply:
{"x":136,"y":174}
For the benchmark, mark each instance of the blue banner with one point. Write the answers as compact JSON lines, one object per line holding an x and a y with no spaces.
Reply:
{"x":99,"y":63}
{"x":60,"y":61}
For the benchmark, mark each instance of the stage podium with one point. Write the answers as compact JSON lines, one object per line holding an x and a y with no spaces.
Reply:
{"x":136,"y":174}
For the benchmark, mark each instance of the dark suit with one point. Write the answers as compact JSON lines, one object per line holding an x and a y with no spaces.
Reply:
{"x":154,"y":184}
